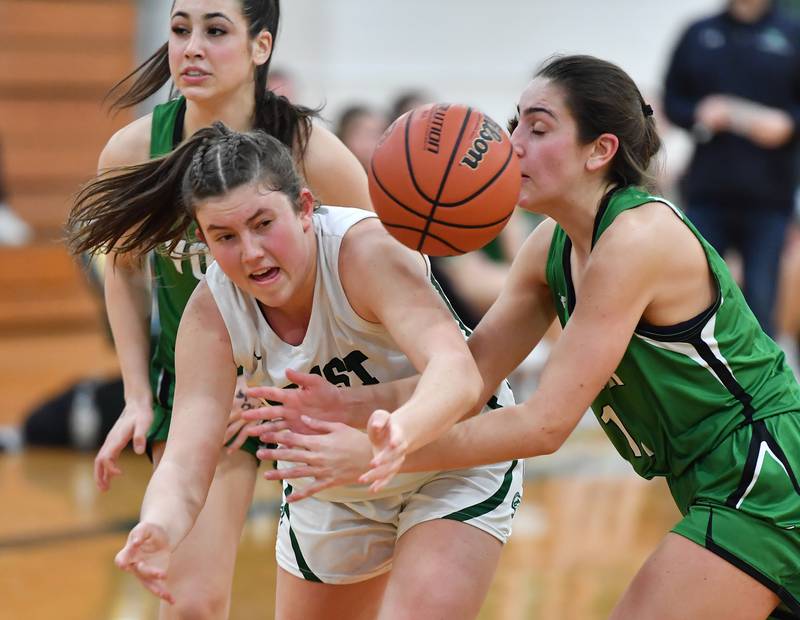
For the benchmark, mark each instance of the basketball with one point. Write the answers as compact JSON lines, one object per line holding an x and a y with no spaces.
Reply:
{"x":444,"y":179}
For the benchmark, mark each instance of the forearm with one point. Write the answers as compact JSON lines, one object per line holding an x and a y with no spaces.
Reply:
{"x":173,"y":499}
{"x":765,"y":126}
{"x":361,"y":401}
{"x":128,"y":309}
{"x":502,"y":435}
{"x":448,"y":388}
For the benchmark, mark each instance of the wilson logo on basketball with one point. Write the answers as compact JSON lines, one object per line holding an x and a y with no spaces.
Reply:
{"x":490,"y":132}
{"x":433,"y":137}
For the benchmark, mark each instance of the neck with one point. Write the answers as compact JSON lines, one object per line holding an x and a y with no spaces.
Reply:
{"x":748,"y":12}
{"x":235,"y":109}
{"x":577,"y":213}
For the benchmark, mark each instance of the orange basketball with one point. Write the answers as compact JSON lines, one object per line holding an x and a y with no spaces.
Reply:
{"x":444,"y":179}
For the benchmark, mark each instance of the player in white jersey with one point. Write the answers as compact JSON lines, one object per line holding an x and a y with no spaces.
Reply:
{"x":329,"y":293}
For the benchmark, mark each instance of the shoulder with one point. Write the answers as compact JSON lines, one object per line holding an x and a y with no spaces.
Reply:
{"x":652,"y":233}
{"x":333,"y":172}
{"x":202,"y":309}
{"x":530,"y":264}
{"x":368,"y":241}
{"x":128,"y":146}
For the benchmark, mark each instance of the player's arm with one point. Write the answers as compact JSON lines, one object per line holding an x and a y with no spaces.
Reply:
{"x":205,"y":379}
{"x":127,"y":303}
{"x":177,"y":491}
{"x":387,"y":283}
{"x":615,"y":292}
{"x":508,"y":332}
{"x":333,"y":173}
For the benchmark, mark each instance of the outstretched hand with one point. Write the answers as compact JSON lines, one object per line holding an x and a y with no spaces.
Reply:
{"x":313,"y":397}
{"x":336,"y":454}
{"x":146,"y":554}
{"x":132,"y":424}
{"x":389,"y":447}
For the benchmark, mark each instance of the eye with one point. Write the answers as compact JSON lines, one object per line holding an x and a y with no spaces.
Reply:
{"x":224,"y":237}
{"x":264,"y":223}
{"x":180,"y":30}
{"x":215,"y":31}
{"x":538,"y":129}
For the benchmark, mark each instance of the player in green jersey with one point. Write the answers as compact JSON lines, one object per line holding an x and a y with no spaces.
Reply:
{"x":217,"y":56}
{"x":657,"y":340}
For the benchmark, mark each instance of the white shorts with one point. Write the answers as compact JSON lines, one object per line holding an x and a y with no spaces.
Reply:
{"x":340,"y":543}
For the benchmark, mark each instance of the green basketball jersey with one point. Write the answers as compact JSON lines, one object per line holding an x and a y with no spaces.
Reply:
{"x":175,"y":276}
{"x":681,"y":390}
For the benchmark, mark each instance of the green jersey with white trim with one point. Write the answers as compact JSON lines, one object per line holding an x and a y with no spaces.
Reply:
{"x":176,"y":275}
{"x":680,"y":390}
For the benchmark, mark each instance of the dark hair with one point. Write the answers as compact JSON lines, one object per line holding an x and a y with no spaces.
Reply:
{"x":137,"y":208}
{"x":406,"y":101}
{"x":348,"y":117}
{"x":291,"y":124}
{"x":604,"y":99}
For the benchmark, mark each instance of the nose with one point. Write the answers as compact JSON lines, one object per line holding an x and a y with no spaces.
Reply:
{"x":516,"y":142}
{"x":251,"y":248}
{"x":194,"y":46}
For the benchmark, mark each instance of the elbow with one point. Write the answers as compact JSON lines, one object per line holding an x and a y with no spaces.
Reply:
{"x":473,"y":386}
{"x":550,"y":436}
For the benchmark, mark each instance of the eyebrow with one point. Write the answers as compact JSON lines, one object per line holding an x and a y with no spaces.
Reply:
{"x":534,"y":110}
{"x":206,"y":16}
{"x":250,"y":219}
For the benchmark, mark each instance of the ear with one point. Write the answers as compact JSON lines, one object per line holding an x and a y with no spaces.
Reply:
{"x":306,"y":208}
{"x":199,"y":233}
{"x":262,"y":47}
{"x":603,"y":150}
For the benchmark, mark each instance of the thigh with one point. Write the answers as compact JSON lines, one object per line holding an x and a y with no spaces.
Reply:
{"x":441,"y":569}
{"x":683,"y":580}
{"x":297,"y":598}
{"x":336,"y":543}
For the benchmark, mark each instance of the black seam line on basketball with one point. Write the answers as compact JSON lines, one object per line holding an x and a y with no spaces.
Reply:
{"x":452,"y":224}
{"x":422,"y":215}
{"x":433,"y":236}
{"x":446,"y":174}
{"x":788,"y":599}
{"x":485,"y":185}
{"x":389,"y":194}
{"x":411,"y":174}
{"x":725,"y":376}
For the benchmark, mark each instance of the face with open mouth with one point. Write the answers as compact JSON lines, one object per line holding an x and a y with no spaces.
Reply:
{"x":263,"y":243}
{"x":210,"y":51}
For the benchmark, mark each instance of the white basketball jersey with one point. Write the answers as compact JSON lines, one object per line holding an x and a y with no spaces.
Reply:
{"x":339,"y":345}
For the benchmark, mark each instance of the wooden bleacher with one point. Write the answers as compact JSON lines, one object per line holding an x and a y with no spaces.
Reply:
{"x":58,"y":59}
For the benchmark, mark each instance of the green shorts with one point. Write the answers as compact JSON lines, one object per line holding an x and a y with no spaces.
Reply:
{"x":742,"y":502}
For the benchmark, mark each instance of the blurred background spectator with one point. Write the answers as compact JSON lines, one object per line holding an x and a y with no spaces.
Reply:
{"x":360,"y":127}
{"x":734,"y":82}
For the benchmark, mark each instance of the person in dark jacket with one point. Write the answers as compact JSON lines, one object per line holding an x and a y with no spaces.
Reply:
{"x":734,"y":82}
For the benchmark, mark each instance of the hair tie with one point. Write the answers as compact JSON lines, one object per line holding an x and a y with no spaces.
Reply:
{"x":646,"y":110}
